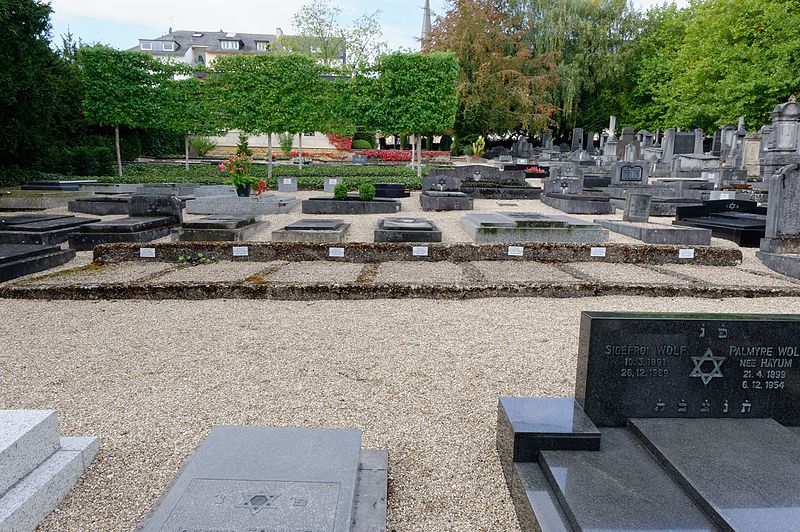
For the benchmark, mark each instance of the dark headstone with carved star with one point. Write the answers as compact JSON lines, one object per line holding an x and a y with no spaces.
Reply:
{"x":692,"y":366}
{"x":259,"y":478}
{"x":695,"y":416}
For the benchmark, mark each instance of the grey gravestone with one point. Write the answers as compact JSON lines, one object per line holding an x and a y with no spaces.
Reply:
{"x":253,"y":478}
{"x":315,"y":225}
{"x":433,"y":200}
{"x":629,"y":173}
{"x":360,"y":159}
{"x":331,"y":182}
{"x":684,"y":143}
{"x":316,"y":230}
{"x":287,"y":184}
{"x":477,"y":173}
{"x":577,"y":139}
{"x":156,"y":205}
{"x":442,"y":183}
{"x":637,"y":208}
{"x":17,"y":260}
{"x":406,"y":230}
{"x":688,"y":366}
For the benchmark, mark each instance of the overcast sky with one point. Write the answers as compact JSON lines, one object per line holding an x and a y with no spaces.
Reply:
{"x":120,"y":23}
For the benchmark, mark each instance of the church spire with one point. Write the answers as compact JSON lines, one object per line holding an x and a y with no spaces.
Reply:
{"x":426,"y":22}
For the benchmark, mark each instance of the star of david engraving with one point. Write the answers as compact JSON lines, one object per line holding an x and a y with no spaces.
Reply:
{"x":702,"y":362}
{"x":255,"y":502}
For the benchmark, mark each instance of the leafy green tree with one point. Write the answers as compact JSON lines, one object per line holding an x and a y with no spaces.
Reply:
{"x":188,"y":108}
{"x":266,"y":95}
{"x":122,"y":89}
{"x":502,"y":86}
{"x":321,"y":34}
{"x":418,"y":94}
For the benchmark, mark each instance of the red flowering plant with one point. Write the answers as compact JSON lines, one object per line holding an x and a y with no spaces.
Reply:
{"x":237,"y":169}
{"x":534,"y":170}
{"x":261,"y":186}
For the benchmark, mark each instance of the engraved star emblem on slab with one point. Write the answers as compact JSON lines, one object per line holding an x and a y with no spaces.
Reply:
{"x":255,"y":502}
{"x":707,"y":376}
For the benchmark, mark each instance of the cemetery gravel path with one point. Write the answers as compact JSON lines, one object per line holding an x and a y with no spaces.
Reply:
{"x":421,"y":378}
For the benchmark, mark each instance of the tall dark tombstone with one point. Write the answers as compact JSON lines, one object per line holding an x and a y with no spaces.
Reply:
{"x":695,"y":414}
{"x":577,"y":139}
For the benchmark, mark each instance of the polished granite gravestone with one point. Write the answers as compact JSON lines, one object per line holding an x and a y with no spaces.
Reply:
{"x":42,"y":230}
{"x":743,"y":222}
{"x":101,"y":204}
{"x":315,"y":230}
{"x":626,"y":173}
{"x":531,"y":227}
{"x":219,"y":229}
{"x":151,"y":217}
{"x":35,"y":200}
{"x":352,"y":205}
{"x":780,"y":248}
{"x":488,"y":182}
{"x":584,"y":203}
{"x":697,"y":424}
{"x":433,"y":200}
{"x":657,"y":233}
{"x":37,"y":467}
{"x":17,"y":260}
{"x":406,"y":230}
{"x":276,"y":479}
{"x":222,"y":200}
{"x":391,"y":190}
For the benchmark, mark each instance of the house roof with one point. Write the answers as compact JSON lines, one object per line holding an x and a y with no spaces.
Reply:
{"x":211,"y":40}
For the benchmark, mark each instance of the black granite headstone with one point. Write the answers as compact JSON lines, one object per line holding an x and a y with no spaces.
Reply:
{"x":631,"y":174}
{"x":688,"y":366}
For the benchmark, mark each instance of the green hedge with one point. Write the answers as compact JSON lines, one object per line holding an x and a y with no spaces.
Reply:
{"x":310,"y":177}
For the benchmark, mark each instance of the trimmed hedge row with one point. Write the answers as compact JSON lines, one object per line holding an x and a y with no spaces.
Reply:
{"x":310,"y":177}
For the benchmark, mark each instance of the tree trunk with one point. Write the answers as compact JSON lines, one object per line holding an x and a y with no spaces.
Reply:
{"x":269,"y":154}
{"x":300,"y":150}
{"x":419,"y":155}
{"x":186,"y":146}
{"x":413,"y":150}
{"x":119,"y":154}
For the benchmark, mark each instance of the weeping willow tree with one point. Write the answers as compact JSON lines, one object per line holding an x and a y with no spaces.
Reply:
{"x":593,"y":40}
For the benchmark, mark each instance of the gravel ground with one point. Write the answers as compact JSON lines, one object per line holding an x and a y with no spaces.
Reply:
{"x":421,"y":378}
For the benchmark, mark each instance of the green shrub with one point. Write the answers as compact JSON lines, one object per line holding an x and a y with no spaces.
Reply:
{"x":366,"y":192}
{"x":340,"y":192}
{"x":360,"y":144}
{"x":202,"y":145}
{"x":367,"y":136}
{"x":468,"y":150}
{"x":286,"y":140}
{"x":244,"y":145}
{"x":446,"y":143}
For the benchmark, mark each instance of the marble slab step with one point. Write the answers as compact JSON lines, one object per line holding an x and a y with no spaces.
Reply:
{"x":535,"y":502}
{"x":620,"y":487}
{"x":745,"y":473}
{"x":30,"y":501}
{"x":27,"y":438}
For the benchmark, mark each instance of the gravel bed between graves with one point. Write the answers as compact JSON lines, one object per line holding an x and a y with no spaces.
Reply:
{"x":421,"y":378}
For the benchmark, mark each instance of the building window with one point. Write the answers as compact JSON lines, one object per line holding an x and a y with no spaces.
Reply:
{"x":169,"y":46}
{"x":147,"y":46}
{"x":230,"y":45}
{"x":262,"y":46}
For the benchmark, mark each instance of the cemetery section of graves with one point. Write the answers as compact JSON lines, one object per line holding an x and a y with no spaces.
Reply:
{"x":420,"y":378}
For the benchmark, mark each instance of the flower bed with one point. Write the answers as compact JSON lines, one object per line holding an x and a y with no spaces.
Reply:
{"x":400,"y":155}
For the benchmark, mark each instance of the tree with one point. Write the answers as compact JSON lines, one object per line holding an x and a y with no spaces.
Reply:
{"x":269,"y":94}
{"x":188,"y":107}
{"x":418,"y":94}
{"x":502,"y":86}
{"x":28,"y":97}
{"x":321,"y":35}
{"x":122,"y":89}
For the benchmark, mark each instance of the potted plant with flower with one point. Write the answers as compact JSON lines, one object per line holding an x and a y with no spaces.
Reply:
{"x":237,"y":168}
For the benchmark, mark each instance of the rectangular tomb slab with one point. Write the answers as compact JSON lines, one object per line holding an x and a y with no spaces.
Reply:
{"x":743,"y":472}
{"x":620,"y":487}
{"x":258,"y":478}
{"x":406,"y":230}
{"x":688,"y":366}
{"x":220,"y":222}
{"x":318,"y":231}
{"x":314,"y":225}
{"x":129,"y":225}
{"x":7,"y":222}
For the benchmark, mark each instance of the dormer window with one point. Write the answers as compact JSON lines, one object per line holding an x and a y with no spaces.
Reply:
{"x":169,"y":46}
{"x":229,"y":45}
{"x":262,"y":46}
{"x":146,"y":45}
{"x":197,"y":35}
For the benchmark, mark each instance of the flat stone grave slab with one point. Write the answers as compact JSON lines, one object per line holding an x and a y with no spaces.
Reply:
{"x":620,"y":487}
{"x":391,"y":190}
{"x":743,"y":472}
{"x":352,"y":205}
{"x":743,"y":222}
{"x":254,"y":478}
{"x":231,"y":204}
{"x":655,"y":233}
{"x":35,"y":200}
{"x":17,"y":260}
{"x":8,"y":221}
{"x":69,"y":186}
{"x":407,"y":230}
{"x":44,"y":231}
{"x":101,"y":205}
{"x":579,"y":203}
{"x":128,"y":225}
{"x":531,"y":227}
{"x":220,"y":229}
{"x":312,"y":230}
{"x":432,"y":200}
